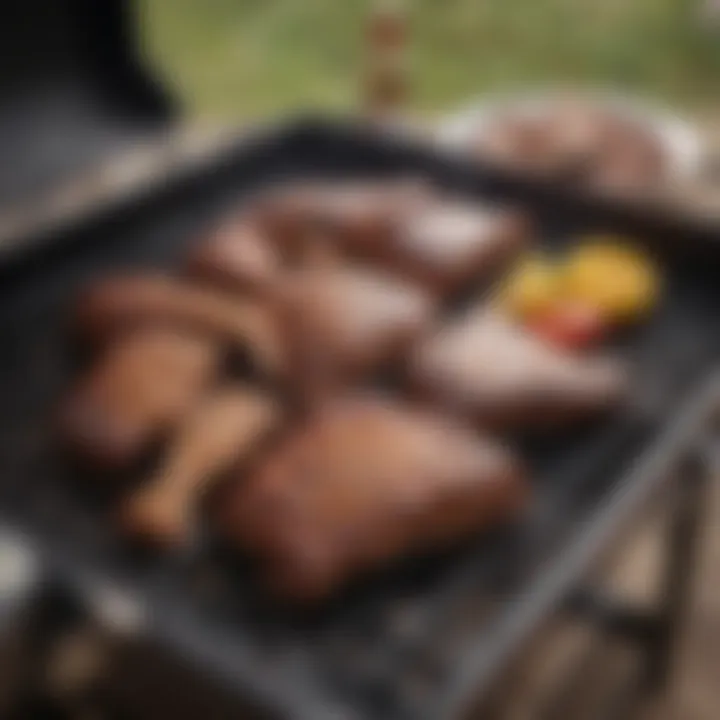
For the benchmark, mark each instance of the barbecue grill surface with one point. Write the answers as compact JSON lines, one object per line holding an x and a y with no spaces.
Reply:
{"x":389,"y":646}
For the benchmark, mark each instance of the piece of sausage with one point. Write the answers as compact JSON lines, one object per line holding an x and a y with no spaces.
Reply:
{"x":114,"y":304}
{"x":222,"y":431}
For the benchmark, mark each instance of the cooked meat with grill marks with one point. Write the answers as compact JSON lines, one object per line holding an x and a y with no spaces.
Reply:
{"x":343,"y":322}
{"x":358,"y":216}
{"x":115,"y":303}
{"x":223,"y":431}
{"x":139,"y":389}
{"x":399,"y":227}
{"x":363,"y":482}
{"x":448,"y":244}
{"x":237,"y":256}
{"x":487,"y":367}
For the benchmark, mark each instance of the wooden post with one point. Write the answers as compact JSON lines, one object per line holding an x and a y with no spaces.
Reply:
{"x":385,"y":83}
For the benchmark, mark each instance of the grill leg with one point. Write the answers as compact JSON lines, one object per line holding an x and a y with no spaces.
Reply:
{"x":655,"y":631}
{"x":680,"y":554}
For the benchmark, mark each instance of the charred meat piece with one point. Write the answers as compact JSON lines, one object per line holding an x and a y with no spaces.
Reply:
{"x":238,"y":257}
{"x":362,"y":483}
{"x":347,"y":321}
{"x":485,"y":366}
{"x":131,"y":301}
{"x":141,"y":387}
{"x":221,"y":432}
{"x":446,"y":245}
{"x":358,"y":216}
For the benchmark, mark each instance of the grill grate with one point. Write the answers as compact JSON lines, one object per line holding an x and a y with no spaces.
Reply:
{"x":388,"y":648}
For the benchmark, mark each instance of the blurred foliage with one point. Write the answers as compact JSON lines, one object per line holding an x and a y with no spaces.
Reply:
{"x":255,"y":57}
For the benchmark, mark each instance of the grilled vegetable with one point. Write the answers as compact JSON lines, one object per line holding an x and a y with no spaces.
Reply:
{"x":620,"y":281}
{"x":571,"y":326}
{"x":531,"y":289}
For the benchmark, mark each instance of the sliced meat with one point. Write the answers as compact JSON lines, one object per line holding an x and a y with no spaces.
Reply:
{"x":238,"y":257}
{"x":363,"y":482}
{"x":141,"y":387}
{"x":130,"y":301}
{"x":446,"y":245}
{"x":358,"y":216}
{"x":343,"y":322}
{"x":485,"y":366}
{"x":222,"y":431}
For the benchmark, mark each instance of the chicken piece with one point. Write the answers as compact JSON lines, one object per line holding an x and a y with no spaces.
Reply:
{"x":495,"y":371}
{"x":129,"y":301}
{"x":223,"y":431}
{"x":238,"y":257}
{"x":141,"y":387}
{"x":344,"y":322}
{"x":358,"y":216}
{"x":363,"y":482}
{"x":446,"y":245}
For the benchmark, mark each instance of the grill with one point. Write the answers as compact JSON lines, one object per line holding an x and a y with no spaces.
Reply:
{"x":423,"y":638}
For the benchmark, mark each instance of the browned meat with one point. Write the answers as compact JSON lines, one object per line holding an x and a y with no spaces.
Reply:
{"x":221,"y":432}
{"x":632,"y":160}
{"x":142,"y":386}
{"x":517,"y":141}
{"x":577,"y":133}
{"x":363,"y":482}
{"x":581,"y":139}
{"x":348,"y":321}
{"x":129,"y":301}
{"x":488,"y":367}
{"x":360,"y":217}
{"x":238,"y":257}
{"x":447,"y":244}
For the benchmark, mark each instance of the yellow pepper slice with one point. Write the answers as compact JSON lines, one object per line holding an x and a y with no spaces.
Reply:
{"x":531,"y":289}
{"x":620,"y":281}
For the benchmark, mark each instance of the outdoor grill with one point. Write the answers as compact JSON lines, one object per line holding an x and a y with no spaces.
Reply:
{"x":425,"y":639}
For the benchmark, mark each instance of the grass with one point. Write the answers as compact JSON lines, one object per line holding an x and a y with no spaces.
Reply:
{"x":258,"y":57}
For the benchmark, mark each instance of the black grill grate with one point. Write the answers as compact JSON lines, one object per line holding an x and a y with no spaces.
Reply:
{"x":388,"y":648}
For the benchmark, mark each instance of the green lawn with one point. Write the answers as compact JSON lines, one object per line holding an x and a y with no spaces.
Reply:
{"x":255,"y":57}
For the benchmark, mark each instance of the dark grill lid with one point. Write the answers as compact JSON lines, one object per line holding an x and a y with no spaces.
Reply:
{"x":73,"y":91}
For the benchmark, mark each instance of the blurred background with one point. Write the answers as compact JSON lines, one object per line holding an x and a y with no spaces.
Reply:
{"x":241,"y":58}
{"x":234,"y":62}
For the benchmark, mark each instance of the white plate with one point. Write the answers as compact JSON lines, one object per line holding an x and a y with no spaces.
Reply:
{"x":683,"y":144}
